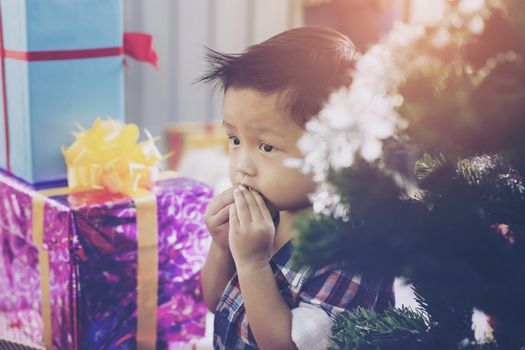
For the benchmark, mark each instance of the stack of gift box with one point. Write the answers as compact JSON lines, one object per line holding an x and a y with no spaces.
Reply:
{"x":109,"y":259}
{"x":186,"y":137}
{"x":200,"y":150}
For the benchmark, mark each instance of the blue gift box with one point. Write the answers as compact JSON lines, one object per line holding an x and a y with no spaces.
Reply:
{"x":63,"y":65}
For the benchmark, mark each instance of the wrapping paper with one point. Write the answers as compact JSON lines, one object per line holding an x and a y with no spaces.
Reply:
{"x":92,"y":249}
{"x":53,"y":79}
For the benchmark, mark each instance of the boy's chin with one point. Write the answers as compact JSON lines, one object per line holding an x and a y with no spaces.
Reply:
{"x":275,"y":207}
{"x":271,"y":207}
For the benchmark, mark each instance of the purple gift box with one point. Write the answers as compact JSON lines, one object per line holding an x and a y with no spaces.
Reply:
{"x":93,"y":253}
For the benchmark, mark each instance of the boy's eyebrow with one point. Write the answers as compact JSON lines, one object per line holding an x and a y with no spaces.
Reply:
{"x":261,"y":130}
{"x":226,"y":124}
{"x":270,"y":131}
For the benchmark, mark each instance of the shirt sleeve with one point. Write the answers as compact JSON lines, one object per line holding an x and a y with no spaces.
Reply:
{"x":325,"y":293}
{"x":311,"y":327}
{"x":335,"y":290}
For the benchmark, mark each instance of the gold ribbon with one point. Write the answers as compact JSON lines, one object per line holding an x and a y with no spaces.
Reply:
{"x":147,"y":264}
{"x":38,"y":202}
{"x":147,"y":270}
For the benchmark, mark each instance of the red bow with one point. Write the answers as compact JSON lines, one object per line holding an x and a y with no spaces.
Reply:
{"x":139,"y":46}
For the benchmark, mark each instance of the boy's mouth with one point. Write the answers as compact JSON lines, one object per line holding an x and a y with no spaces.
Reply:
{"x":268,"y":204}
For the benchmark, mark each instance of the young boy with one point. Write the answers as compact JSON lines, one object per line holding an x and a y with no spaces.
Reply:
{"x":259,"y":300}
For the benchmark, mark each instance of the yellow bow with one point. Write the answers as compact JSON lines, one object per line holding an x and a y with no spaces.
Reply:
{"x":107,"y":156}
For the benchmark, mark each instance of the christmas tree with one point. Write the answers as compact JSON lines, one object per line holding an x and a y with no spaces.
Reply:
{"x":420,"y":167}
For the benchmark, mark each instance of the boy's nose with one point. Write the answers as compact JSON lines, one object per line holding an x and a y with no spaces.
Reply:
{"x":245,"y":165}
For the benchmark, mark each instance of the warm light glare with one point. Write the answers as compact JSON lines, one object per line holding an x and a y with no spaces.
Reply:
{"x":427,"y":11}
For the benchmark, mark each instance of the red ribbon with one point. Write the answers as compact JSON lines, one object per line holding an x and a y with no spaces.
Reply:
{"x":4,"y":97}
{"x":136,"y":45}
{"x":62,"y":54}
{"x":140,"y":47}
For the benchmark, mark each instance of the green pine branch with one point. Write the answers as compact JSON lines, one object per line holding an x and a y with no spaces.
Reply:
{"x":394,"y":329}
{"x":366,"y":329}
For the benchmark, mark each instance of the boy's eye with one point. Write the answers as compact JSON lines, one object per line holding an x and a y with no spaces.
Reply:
{"x":266,"y":147}
{"x":234,"y":141}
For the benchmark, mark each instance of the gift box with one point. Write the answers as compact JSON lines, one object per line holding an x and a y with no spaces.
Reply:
{"x":62,"y":64}
{"x":184,"y":138}
{"x":96,"y":271}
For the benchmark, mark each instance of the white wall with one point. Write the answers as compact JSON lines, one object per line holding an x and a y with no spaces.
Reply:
{"x":181,"y":28}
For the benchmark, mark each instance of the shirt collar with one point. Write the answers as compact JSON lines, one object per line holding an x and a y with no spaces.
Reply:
{"x":283,"y":256}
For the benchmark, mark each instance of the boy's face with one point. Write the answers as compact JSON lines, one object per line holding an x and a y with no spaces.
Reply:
{"x":261,"y":137}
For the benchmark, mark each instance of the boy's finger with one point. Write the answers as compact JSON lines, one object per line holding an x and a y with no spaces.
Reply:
{"x":255,"y":212}
{"x":222,"y":216}
{"x":221,"y":201}
{"x":263,"y":209}
{"x":234,"y":220}
{"x":241,"y":207}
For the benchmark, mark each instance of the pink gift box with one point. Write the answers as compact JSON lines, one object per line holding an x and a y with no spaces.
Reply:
{"x":93,"y":253}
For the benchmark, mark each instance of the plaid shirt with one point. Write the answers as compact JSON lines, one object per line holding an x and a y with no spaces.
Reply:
{"x":330,"y":289}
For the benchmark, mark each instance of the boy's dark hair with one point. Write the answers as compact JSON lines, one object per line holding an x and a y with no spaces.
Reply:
{"x":304,"y":64}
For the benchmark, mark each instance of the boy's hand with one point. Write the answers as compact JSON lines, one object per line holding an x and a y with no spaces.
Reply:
{"x":216,"y":218}
{"x":252,"y":230}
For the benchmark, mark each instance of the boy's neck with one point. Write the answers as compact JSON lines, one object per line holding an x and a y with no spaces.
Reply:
{"x":285,"y":230}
